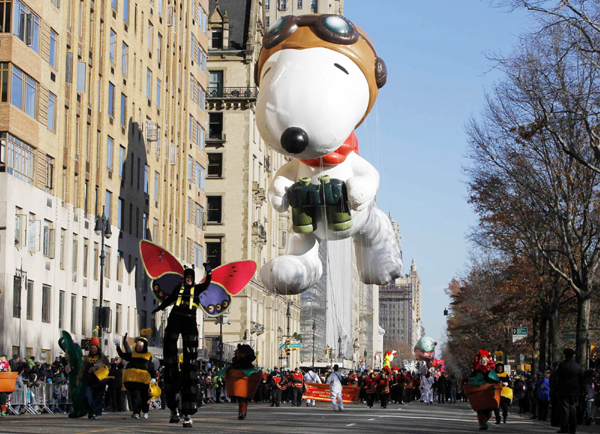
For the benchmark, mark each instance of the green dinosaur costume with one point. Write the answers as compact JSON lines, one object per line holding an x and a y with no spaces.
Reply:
{"x":74,"y":357}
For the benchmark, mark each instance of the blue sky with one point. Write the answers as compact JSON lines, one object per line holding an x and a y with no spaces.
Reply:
{"x":415,"y":136}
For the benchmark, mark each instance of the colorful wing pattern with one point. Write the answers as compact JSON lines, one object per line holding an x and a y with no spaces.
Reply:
{"x":167,"y":274}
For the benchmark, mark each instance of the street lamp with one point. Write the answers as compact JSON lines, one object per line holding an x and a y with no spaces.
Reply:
{"x":288,"y":314}
{"x":445,"y":311}
{"x":102,"y":229}
{"x":340,"y":347}
{"x":314,"y":328}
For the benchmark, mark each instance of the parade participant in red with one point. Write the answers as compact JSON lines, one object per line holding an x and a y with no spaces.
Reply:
{"x":352,"y":379}
{"x":371,"y":384}
{"x":383,"y":386}
{"x":408,"y":388}
{"x":276,"y":387}
{"x":398,"y":388}
{"x":297,"y":383}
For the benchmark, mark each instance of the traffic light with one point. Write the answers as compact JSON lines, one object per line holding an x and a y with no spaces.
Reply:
{"x":287,"y":347}
{"x":329,"y":351}
{"x":324,"y":351}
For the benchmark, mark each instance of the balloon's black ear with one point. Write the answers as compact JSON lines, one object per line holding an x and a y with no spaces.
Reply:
{"x":380,"y":72}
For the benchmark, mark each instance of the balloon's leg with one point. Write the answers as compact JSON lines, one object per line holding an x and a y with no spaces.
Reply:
{"x":297,"y":270}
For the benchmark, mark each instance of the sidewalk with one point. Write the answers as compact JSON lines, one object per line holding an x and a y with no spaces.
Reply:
{"x":580,"y":428}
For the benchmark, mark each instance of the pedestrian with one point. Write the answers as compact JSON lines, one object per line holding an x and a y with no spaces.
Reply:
{"x":139,"y":372}
{"x":543,"y":391}
{"x":334,"y":379}
{"x":311,"y":377}
{"x":533,"y":395}
{"x":568,"y":380}
{"x":520,"y":392}
{"x":182,"y":321}
{"x":589,"y":394}
{"x":427,"y":388}
{"x":441,"y":389}
{"x":453,"y":388}
{"x":506,"y":395}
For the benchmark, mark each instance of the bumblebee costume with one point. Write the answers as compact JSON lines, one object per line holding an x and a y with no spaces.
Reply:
{"x":182,"y":321}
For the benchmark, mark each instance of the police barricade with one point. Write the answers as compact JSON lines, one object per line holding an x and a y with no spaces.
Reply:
{"x":45,"y":398}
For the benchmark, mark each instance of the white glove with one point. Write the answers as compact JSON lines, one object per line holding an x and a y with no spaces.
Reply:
{"x":505,"y":384}
{"x":117,"y":342}
{"x":153,"y":380}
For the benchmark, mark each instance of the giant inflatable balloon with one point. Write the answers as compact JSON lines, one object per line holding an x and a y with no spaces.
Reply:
{"x":319,"y":76}
{"x":425,"y":350}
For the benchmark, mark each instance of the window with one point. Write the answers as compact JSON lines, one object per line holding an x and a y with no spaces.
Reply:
{"x":149,"y":84}
{"x":74,"y":257}
{"x":124,"y":57}
{"x":30,"y":298}
{"x":155,"y":231}
{"x":215,"y":126}
{"x":118,"y":311}
{"x":156,"y":178}
{"x":33,"y":234}
{"x":95,"y":259}
{"x":217,"y":39}
{"x":113,"y":46}
{"x":123,"y":110}
{"x":26,"y":25}
{"x":144,"y":226}
{"x":23,"y":93}
{"x":111,"y":99}
{"x":51,"y":123}
{"x":119,"y":266}
{"x":86,"y":247}
{"x":213,"y":253}
{"x":198,"y":215}
{"x":108,"y":205}
{"x":150,"y":37}
{"x":73,"y":312}
{"x":126,"y":11}
{"x":196,"y":92}
{"x":159,"y":43}
{"x":215,"y":83}
{"x":313,"y":6}
{"x":31,"y":97}
{"x":299,"y":4}
{"x":46,"y":303}
{"x":282,"y":5}
{"x":107,"y":252}
{"x":19,"y":157}
{"x":199,"y":176}
{"x":158,"y":83}
{"x":113,"y":4}
{"x":190,"y":169}
{"x":267,"y":4}
{"x":122,"y":155}
{"x":48,"y":240}
{"x":109,"y":152}
{"x":215,"y":165}
{"x":84,"y":311}
{"x":121,"y":212}
{"x":53,"y":45}
{"x":63,"y":240}
{"x":197,"y":255}
{"x":61,"y":309}
{"x":146,"y":170}
{"x":214,"y":212}
{"x":16,"y":297}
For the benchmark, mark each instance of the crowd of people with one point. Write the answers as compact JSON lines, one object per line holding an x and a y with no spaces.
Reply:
{"x":565,"y":388}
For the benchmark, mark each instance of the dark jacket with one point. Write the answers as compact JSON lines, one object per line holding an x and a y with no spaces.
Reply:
{"x":520,"y":389}
{"x":569,"y":378}
{"x":185,"y":297}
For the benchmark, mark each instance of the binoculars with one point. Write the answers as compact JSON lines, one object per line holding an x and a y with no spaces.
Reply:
{"x":308,"y":199}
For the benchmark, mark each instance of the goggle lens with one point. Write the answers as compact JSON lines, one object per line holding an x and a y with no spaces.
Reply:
{"x":276,"y":27}
{"x":337,"y":25}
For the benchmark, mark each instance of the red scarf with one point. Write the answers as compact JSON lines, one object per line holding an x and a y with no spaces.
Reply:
{"x":336,"y":157}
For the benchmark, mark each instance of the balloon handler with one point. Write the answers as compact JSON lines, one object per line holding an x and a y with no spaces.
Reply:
{"x":72,"y":362}
{"x":484,"y":388}
{"x":241,"y":377}
{"x":139,"y":373}
{"x":182,"y":321}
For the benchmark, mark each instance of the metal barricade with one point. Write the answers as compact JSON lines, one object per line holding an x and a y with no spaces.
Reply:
{"x":16,"y":400}
{"x":46,"y":398}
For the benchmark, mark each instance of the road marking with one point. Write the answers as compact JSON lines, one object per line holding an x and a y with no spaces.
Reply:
{"x":371,"y":419}
{"x":351,"y":424}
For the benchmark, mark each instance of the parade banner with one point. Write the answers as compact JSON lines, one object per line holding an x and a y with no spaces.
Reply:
{"x":320,"y":392}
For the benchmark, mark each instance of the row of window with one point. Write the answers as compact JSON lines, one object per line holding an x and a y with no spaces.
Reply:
{"x":283,"y":4}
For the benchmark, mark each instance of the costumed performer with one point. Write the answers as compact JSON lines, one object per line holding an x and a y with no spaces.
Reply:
{"x":243,"y":359}
{"x":72,"y":362}
{"x":4,"y":367}
{"x":92,"y":381}
{"x":506,"y":394}
{"x":383,"y":386}
{"x":483,"y":372}
{"x":139,"y":372}
{"x":182,"y":321}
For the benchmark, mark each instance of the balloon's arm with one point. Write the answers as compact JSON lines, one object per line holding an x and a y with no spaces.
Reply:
{"x":362,"y":186}
{"x":278,"y":193}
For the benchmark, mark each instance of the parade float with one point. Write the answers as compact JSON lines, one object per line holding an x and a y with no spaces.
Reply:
{"x":319,"y":76}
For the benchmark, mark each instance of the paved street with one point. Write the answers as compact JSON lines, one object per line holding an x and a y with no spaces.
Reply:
{"x":222,"y":418}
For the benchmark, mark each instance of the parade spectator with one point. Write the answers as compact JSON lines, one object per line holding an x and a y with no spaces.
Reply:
{"x":334,"y":379}
{"x":589,"y":395}
{"x":520,"y":391}
{"x":568,"y":380}
{"x":452,"y":388}
{"x":532,"y":395}
{"x":543,"y":393}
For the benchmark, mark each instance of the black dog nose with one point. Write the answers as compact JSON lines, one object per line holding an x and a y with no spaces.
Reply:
{"x":294,"y":140}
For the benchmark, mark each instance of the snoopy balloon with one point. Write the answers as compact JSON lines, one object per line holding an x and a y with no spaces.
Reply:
{"x":319,"y":77}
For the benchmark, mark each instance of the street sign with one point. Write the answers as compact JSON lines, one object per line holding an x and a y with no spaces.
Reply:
{"x":292,"y":345}
{"x":519,"y":331}
{"x":571,"y":336}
